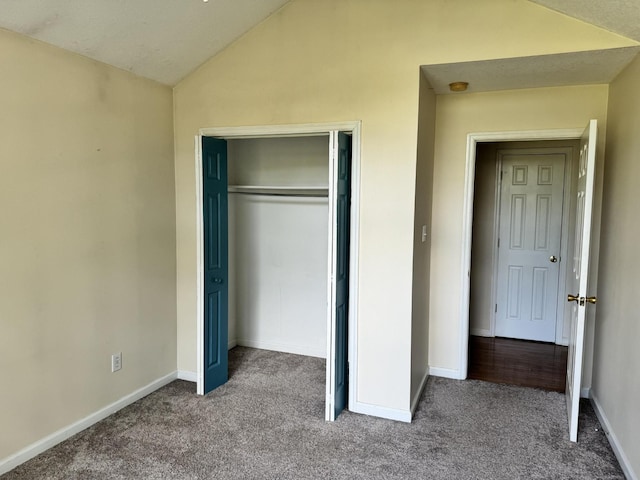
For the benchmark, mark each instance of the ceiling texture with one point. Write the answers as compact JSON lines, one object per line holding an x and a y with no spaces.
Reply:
{"x":618,"y":16}
{"x":577,"y":68}
{"x":165,"y":40}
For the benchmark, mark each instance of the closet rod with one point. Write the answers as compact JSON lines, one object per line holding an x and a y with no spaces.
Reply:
{"x":280,"y":191}
{"x":284,"y":194}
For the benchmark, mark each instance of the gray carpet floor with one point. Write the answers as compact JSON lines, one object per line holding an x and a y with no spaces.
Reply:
{"x":267,"y":422}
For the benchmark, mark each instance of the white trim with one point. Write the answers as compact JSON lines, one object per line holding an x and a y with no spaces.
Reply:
{"x":187,"y":376}
{"x":467,"y":217}
{"x":283,"y":347}
{"x":330,"y":366}
{"x":299,"y":130}
{"x":381,"y":412}
{"x":416,"y":398}
{"x":12,"y":461}
{"x":266,"y":131}
{"x":481,"y":332}
{"x":585,"y":392}
{"x":625,"y":464}
{"x":199,"y":269}
{"x":447,"y":373}
{"x":354,"y":262}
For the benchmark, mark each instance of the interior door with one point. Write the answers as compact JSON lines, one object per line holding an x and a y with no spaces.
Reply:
{"x":340,"y":194}
{"x":215,"y":281}
{"x":531,"y":205}
{"x":580,"y":270}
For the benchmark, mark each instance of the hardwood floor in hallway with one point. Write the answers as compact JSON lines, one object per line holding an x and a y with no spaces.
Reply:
{"x":518,"y":362}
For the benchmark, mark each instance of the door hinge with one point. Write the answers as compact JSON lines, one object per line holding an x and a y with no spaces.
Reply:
{"x":498,"y":243}
{"x":496,"y":309}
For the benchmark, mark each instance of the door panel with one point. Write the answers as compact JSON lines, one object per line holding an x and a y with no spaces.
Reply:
{"x":584,"y":207}
{"x":337,"y":354}
{"x":531,"y":204}
{"x":214,"y":157}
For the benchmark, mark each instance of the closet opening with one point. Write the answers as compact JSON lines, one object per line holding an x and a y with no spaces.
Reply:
{"x":278,"y":258}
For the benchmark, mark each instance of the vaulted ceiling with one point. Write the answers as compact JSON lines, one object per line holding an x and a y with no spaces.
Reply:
{"x":165,"y":40}
{"x":618,"y":16}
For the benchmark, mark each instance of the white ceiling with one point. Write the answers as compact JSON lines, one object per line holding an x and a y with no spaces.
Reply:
{"x":163,"y":40}
{"x":577,"y":68}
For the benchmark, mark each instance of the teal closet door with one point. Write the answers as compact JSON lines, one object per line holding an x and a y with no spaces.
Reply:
{"x":343,"y":221}
{"x":216,"y":262}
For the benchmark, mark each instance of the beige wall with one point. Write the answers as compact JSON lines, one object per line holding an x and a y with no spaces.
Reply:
{"x":339,"y":60}
{"x":421,"y":249}
{"x":456,"y":117}
{"x":481,"y":299}
{"x":87,"y":250}
{"x":617,"y":357}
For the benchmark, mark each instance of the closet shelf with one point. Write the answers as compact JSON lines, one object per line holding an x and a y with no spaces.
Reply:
{"x":283,"y":191}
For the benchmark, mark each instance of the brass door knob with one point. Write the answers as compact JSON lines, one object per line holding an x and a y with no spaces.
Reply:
{"x":573,"y":298}
{"x":592,"y":300}
{"x":553,"y":259}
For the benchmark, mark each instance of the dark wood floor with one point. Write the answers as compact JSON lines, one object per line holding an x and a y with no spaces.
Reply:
{"x":518,"y":362}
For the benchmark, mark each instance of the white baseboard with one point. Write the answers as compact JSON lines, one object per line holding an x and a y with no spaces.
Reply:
{"x":585,"y":393}
{"x":445,"y":372}
{"x":381,"y":412}
{"x":232,"y":343}
{"x":416,"y":398}
{"x":187,"y":376}
{"x":12,"y":461}
{"x":613,"y":440}
{"x":283,"y":347}
{"x":480,"y":332}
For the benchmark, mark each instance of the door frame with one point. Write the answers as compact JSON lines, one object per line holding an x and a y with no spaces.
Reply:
{"x":564,"y":231}
{"x":281,"y":131}
{"x":467,"y":216}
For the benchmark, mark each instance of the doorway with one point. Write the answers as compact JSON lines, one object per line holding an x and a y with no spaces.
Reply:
{"x":485,"y":193}
{"x":582,"y":205}
{"x":340,"y":253}
{"x":520,"y":250}
{"x":522,"y":224}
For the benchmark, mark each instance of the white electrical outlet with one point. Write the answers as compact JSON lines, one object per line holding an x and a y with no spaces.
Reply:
{"x":116,"y":362}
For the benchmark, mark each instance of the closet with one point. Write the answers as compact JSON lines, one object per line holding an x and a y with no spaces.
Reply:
{"x":277,"y":235}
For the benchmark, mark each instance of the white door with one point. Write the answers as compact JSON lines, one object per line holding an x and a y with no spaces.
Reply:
{"x":530,"y":224}
{"x":580,"y":270}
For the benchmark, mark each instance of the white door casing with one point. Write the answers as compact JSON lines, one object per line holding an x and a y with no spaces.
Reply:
{"x":467,"y":223}
{"x":529,"y":245}
{"x":584,"y":208}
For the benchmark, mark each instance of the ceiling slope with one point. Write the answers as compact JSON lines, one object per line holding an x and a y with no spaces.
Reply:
{"x":163,"y":40}
{"x":618,"y":16}
{"x":575,"y":68}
